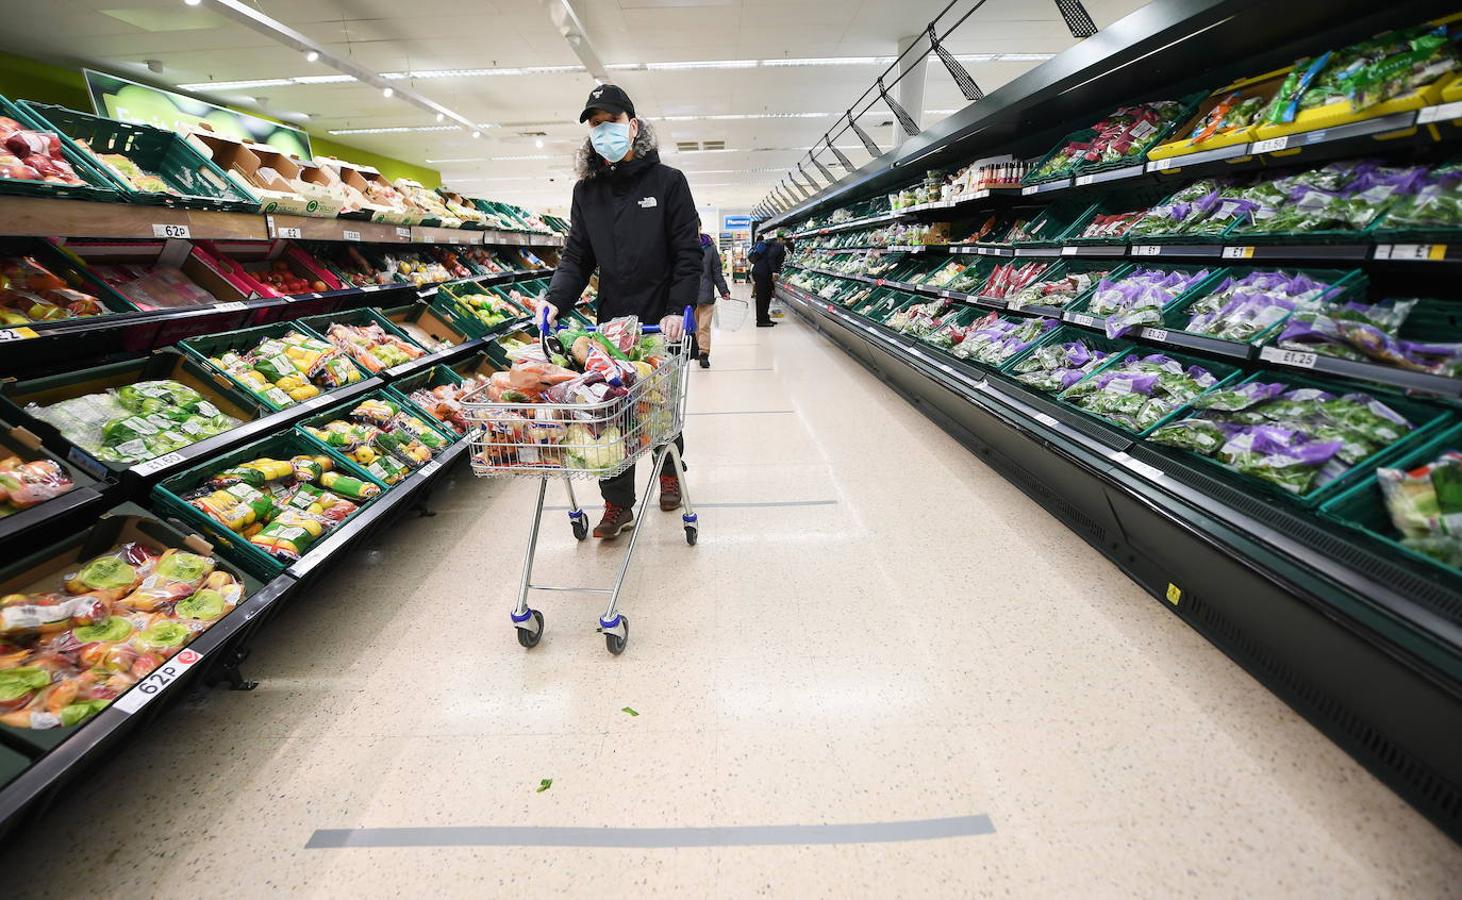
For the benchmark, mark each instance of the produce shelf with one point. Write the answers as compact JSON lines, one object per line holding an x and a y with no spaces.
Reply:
{"x":46,"y":217}
{"x":1405,"y":379}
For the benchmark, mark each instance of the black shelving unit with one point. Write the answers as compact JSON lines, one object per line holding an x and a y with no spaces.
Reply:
{"x":1365,"y":643}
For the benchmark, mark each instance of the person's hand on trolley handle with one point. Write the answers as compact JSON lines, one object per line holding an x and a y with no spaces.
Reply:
{"x":673,"y":327}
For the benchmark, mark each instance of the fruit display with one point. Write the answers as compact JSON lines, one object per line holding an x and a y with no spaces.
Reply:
{"x":289,"y":369}
{"x":1053,"y":368}
{"x":1369,"y":332}
{"x":1055,"y":291}
{"x":483,"y":259}
{"x":415,"y":267}
{"x":133,"y":175}
{"x":24,"y":484}
{"x":1139,"y":391}
{"x":429,"y":203}
{"x":444,"y":402}
{"x":1123,"y":136}
{"x":154,"y":286}
{"x":1297,"y":438}
{"x":285,"y":280}
{"x":383,"y":438}
{"x":1242,"y":308}
{"x":484,"y":305}
{"x":351,"y":266}
{"x":372,"y":346}
{"x":1425,"y":505}
{"x":463,"y":208}
{"x":30,"y":293}
{"x":1365,"y":74}
{"x":281,"y":507}
{"x":137,"y":422}
{"x":68,"y":650}
{"x":1138,"y":297}
{"x":453,"y":262}
{"x":27,"y":155}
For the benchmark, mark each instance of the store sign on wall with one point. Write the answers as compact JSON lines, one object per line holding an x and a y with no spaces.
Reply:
{"x":735,"y":223}
{"x":128,"y":101}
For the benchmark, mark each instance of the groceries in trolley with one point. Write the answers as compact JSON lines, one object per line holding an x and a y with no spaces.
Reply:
{"x":71,"y":645}
{"x":584,"y":399}
{"x":282,"y":506}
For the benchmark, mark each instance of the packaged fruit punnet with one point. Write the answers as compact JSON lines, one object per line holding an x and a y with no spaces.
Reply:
{"x":68,"y":650}
{"x":289,"y":369}
{"x":281,"y":506}
{"x":30,"y":293}
{"x":372,"y":346}
{"x":382,"y":438}
{"x":26,"y":484}
{"x":27,"y":155}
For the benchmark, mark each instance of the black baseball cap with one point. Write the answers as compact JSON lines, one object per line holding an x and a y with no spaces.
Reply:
{"x":609,"y":97}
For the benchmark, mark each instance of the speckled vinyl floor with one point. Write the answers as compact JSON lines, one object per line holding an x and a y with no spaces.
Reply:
{"x":847,"y":661}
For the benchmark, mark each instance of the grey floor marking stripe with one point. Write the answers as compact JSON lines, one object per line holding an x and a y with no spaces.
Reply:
{"x":652,"y":838}
{"x":745,"y":412}
{"x":737,"y":504}
{"x":714,"y":371}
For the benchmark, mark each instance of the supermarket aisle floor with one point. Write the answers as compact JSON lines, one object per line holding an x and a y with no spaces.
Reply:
{"x":875,"y":628}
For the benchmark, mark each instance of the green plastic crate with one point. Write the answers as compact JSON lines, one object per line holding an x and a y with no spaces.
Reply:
{"x":1362,"y":506}
{"x":1186,"y":106}
{"x":365,"y":316}
{"x":1081,"y":135}
{"x":1225,"y":373}
{"x":445,"y":305}
{"x":198,"y":182}
{"x":1052,"y":223}
{"x":1344,"y":284}
{"x":121,"y":524}
{"x":1081,"y":305}
{"x":98,"y":186}
{"x":169,"y":363}
{"x":202,"y":348}
{"x":1059,"y":270}
{"x":167,"y":496}
{"x":1426,"y":418}
{"x":342,"y":411}
{"x":1062,"y":335}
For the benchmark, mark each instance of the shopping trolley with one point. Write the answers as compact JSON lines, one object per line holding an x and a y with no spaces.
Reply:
{"x":587,"y":441}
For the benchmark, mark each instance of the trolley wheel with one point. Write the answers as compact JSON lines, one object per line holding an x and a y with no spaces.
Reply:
{"x":528,"y":638}
{"x":613,"y":642}
{"x":692,"y":534}
{"x":581,"y":528}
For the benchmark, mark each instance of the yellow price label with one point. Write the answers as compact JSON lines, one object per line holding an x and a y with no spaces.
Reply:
{"x":17,"y":334}
{"x":1437,"y":251}
{"x":1175,"y":593}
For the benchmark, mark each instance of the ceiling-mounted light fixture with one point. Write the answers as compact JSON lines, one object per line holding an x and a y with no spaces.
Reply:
{"x":441,"y":117}
{"x":477,"y":134}
{"x":388,"y":93}
{"x":312,"y":56}
{"x":1078,"y":20}
{"x":192,"y":2}
{"x":538,"y":142}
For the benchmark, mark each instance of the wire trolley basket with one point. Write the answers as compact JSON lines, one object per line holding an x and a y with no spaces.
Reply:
{"x":588,"y":440}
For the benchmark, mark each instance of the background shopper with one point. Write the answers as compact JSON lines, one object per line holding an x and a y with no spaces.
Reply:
{"x":767,"y":258}
{"x":713,"y":281}
{"x":634,"y":220}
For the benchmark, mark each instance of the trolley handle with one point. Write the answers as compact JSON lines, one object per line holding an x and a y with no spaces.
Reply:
{"x":644,"y":329}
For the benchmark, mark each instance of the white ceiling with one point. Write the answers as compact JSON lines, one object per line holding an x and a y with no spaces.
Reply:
{"x":197,"y":44}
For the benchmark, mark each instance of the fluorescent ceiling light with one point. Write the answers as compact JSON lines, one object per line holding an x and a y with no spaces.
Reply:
{"x":830,"y":61}
{"x":731,"y":117}
{"x":322,"y":79}
{"x":481,"y":73}
{"x":460,"y":159}
{"x":1003,"y":57}
{"x":236,"y":85}
{"x":397,"y":129}
{"x":312,"y":56}
{"x":529,"y":156}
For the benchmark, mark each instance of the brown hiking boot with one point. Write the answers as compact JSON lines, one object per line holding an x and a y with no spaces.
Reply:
{"x":669,"y":492}
{"x":616,"y":520}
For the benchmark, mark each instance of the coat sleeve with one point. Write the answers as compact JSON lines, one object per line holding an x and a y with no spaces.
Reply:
{"x":682,"y":231}
{"x":575,"y":265}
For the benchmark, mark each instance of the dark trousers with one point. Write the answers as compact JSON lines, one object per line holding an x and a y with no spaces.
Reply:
{"x":762,"y":293}
{"x":620,"y":490}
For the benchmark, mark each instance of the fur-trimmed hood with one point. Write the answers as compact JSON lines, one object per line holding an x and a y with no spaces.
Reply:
{"x":589,"y":165}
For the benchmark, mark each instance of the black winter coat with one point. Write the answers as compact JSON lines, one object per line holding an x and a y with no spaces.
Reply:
{"x":636,"y":222}
{"x":770,"y":261}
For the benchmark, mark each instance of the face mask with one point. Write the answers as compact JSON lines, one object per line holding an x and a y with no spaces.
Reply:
{"x":610,"y":140}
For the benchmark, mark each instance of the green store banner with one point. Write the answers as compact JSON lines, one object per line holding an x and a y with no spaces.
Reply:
{"x":128,"y":101}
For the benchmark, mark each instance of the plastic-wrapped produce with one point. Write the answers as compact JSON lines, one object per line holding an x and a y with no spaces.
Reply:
{"x":1140,"y":390}
{"x":1298,"y":439}
{"x":25,"y":484}
{"x":1138,"y":298}
{"x":1425,"y":505}
{"x":136,"y":422}
{"x":1435,"y":202}
{"x":1361,"y":331}
{"x":1365,"y":74}
{"x":1055,"y":292}
{"x":1241,"y":308}
{"x":1342,"y":196}
{"x":995,"y":338}
{"x":1180,"y":211}
{"x":1055,"y":367}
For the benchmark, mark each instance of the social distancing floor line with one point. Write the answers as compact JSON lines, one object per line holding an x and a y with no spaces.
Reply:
{"x":744,"y":412}
{"x":737,"y":504}
{"x":652,"y":838}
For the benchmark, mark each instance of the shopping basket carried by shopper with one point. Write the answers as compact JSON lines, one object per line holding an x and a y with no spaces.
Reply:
{"x":608,"y":419}
{"x":732,"y":312}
